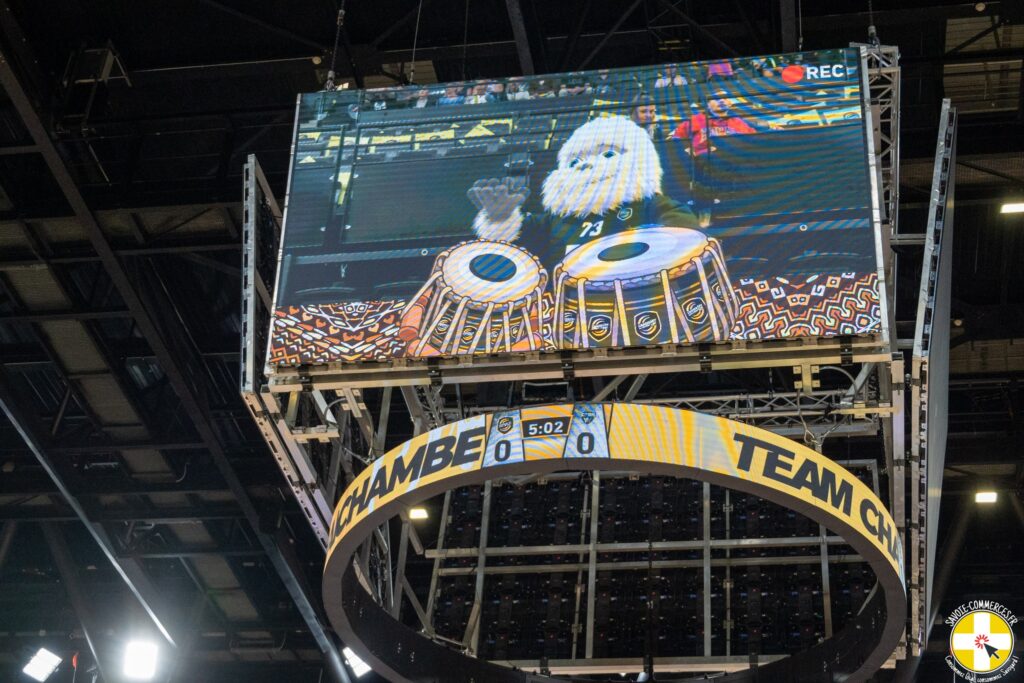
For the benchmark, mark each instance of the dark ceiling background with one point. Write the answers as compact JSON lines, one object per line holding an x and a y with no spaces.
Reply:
{"x":124,"y":126}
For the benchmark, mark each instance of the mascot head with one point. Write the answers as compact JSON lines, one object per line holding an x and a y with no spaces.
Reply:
{"x":605,"y":163}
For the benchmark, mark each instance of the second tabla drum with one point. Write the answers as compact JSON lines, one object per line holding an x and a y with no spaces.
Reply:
{"x":643,"y":287}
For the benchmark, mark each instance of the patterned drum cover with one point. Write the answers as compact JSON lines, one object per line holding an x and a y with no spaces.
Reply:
{"x":487,"y":297}
{"x":650,"y":286}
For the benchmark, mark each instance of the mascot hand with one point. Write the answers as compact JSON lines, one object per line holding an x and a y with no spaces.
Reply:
{"x":497,"y":198}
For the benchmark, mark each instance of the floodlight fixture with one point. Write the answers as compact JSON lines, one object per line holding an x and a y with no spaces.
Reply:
{"x":418,"y":513}
{"x":42,"y":665}
{"x":1012,"y":207}
{"x":140,"y":660}
{"x":358,"y":666}
{"x":986,"y":497}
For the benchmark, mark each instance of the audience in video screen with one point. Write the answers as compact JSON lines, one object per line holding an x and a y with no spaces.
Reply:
{"x":622,"y":86}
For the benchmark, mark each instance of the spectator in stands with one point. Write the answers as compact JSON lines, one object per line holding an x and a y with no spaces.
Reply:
{"x":604,"y":85}
{"x":718,"y":122}
{"x":671,"y":77}
{"x":700,"y":130}
{"x":574,"y":84}
{"x":478,"y":94}
{"x":496,"y":91}
{"x":452,"y":95}
{"x":422,"y":99}
{"x":517,"y":89}
{"x":720,"y":71}
{"x":767,"y":66}
{"x":546,"y":88}
{"x":645,"y":115}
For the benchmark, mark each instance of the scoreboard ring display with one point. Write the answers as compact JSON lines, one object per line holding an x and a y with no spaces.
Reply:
{"x":645,"y":439}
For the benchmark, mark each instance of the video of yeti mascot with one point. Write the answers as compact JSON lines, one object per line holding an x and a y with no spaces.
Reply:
{"x":608,"y":181}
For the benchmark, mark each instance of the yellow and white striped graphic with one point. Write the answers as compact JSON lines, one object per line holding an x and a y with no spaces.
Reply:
{"x":643,"y":438}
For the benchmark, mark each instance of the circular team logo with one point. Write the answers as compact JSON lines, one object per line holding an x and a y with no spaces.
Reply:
{"x":568,"y":320}
{"x":443,"y":324}
{"x":504,"y":424}
{"x":600,"y":326}
{"x":624,"y":214}
{"x":647,"y":324}
{"x":695,"y":310}
{"x":981,"y":641}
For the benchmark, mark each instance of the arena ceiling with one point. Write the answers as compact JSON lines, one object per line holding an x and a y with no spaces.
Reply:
{"x":124,"y":127}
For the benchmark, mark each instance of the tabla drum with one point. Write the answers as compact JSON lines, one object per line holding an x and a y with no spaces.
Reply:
{"x":643,"y":287}
{"x":481,"y":297}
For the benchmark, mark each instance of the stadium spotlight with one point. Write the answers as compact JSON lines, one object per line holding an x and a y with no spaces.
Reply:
{"x":418,"y":513}
{"x":986,"y":497}
{"x":1012,"y":207}
{"x":140,"y":660}
{"x":358,"y":666}
{"x":42,"y":665}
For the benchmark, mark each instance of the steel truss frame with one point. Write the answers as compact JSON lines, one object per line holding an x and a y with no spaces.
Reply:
{"x":587,"y":566}
{"x":306,"y":412}
{"x":929,"y":366}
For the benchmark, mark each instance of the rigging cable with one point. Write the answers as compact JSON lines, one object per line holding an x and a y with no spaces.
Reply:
{"x":330,"y":84}
{"x":415,"y":40}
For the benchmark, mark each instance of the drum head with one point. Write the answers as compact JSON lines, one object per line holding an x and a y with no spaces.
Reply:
{"x":634,"y":254}
{"x":491,"y":272}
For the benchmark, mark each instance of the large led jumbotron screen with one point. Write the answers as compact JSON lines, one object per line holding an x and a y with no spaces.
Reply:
{"x":685,"y":203}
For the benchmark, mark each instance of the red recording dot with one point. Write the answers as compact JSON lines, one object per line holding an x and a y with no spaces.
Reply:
{"x":793,"y":73}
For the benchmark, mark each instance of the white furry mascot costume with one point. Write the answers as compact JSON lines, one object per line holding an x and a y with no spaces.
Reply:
{"x":608,"y":180}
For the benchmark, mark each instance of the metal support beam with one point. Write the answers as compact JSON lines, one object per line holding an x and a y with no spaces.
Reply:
{"x":481,"y":565}
{"x":570,"y":44}
{"x":788,"y":37}
{"x":436,"y":573}
{"x":698,"y":29}
{"x":6,"y":538}
{"x":403,"y":550}
{"x":635,"y":387}
{"x":727,"y":510}
{"x":645,"y":565}
{"x":76,"y":596}
{"x":584,"y":516}
{"x":595,"y":504}
{"x":996,"y":25}
{"x":416,"y":606}
{"x":515,"y":16}
{"x":826,"y":589}
{"x":419,"y":418}
{"x":608,"y":36}
{"x":1018,"y":509}
{"x":639,"y":547}
{"x":706,"y":564}
{"x":607,"y":390}
{"x":381,"y":435}
{"x":268,"y":26}
{"x":950,"y":556}
{"x":137,"y":582}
